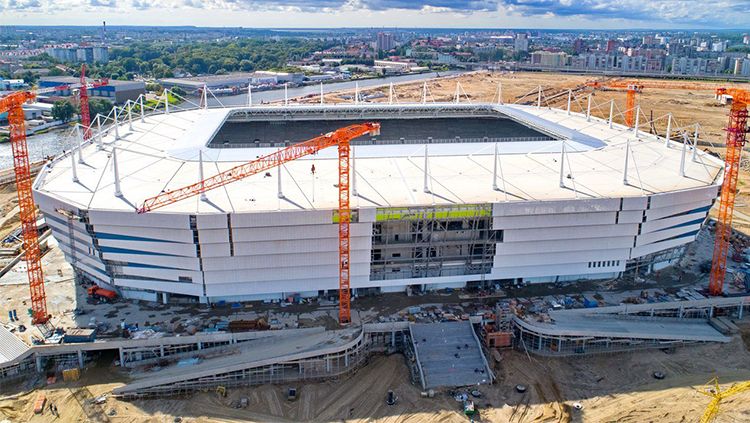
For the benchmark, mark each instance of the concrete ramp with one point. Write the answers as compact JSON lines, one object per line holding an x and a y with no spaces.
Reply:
{"x":605,"y":330}
{"x":449,"y":354}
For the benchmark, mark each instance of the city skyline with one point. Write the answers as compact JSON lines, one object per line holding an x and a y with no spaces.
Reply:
{"x":541,"y":14}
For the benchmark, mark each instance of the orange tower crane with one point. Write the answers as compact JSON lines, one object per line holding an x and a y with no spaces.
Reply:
{"x":736,"y":137}
{"x":340,"y":138}
{"x":13,"y":104}
{"x":632,"y":88}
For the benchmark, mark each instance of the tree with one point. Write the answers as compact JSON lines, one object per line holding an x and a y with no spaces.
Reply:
{"x":55,"y":71}
{"x":154,"y":87}
{"x":63,"y":110}
{"x":246,"y":65}
{"x":178,"y":91}
{"x":99,"y":106}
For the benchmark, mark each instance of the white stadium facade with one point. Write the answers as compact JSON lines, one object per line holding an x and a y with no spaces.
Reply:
{"x":448,"y":195}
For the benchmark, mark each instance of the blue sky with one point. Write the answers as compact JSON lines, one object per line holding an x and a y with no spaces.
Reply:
{"x":571,"y":14}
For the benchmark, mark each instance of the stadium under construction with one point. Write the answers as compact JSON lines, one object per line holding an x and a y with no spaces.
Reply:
{"x":448,"y":195}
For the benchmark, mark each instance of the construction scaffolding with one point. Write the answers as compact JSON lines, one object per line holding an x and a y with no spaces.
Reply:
{"x":432,"y":242}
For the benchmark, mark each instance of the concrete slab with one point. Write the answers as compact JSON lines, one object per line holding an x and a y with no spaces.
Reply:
{"x":449,"y":355}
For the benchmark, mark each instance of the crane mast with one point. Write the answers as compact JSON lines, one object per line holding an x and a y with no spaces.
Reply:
{"x":84,"y":104}
{"x":13,"y":104}
{"x":736,"y":137}
{"x":341,"y":138}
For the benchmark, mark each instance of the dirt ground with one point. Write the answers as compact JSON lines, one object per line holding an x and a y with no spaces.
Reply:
{"x":610,"y":388}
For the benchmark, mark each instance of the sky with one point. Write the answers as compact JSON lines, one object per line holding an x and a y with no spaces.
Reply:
{"x":542,"y":14}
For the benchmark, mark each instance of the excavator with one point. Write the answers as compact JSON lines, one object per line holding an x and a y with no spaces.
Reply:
{"x":717,"y":395}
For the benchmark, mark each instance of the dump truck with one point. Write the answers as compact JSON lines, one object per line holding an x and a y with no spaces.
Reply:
{"x":102,"y":294}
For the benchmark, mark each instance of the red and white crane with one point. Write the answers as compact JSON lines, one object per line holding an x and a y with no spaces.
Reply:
{"x":83,"y":86}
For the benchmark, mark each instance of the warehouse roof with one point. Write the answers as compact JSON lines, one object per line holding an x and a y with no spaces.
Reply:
{"x":162,"y":154}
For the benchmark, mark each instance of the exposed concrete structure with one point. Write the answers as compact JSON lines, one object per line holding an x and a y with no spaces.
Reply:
{"x":449,"y":354}
{"x":629,"y":327}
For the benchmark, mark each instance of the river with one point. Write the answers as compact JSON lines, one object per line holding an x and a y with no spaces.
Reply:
{"x":40,"y":146}
{"x":55,"y":142}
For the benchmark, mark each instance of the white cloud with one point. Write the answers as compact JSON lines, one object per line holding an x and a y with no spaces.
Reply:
{"x":412,"y":13}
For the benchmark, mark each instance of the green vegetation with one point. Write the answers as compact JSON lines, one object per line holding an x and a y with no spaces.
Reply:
{"x":158,"y":103}
{"x":99,"y":106}
{"x":63,"y":110}
{"x":740,"y":49}
{"x":159,"y":59}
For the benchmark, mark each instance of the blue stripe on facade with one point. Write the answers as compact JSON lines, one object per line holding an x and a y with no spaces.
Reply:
{"x":118,"y":237}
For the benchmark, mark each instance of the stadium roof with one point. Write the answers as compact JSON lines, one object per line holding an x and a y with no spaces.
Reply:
{"x":162,"y":154}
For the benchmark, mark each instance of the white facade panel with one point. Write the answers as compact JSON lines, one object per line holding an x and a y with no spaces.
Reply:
{"x":556,"y":245}
{"x":657,"y":225}
{"x":211,"y":221}
{"x":213,"y":236}
{"x":367,"y":214}
{"x":634,"y":203}
{"x":555,"y":207}
{"x":172,"y":287}
{"x":215,"y":250}
{"x":553,"y":220}
{"x":302,"y":217}
{"x":166,"y":274}
{"x":62,"y":233}
{"x":659,"y":246}
{"x":298,"y":232}
{"x":559,"y":258}
{"x":654,"y":214}
{"x":273,"y":289}
{"x":93,"y":262}
{"x":164,"y":234}
{"x":92,"y":271}
{"x":682,"y":197}
{"x":298,"y":246}
{"x":657,"y":236}
{"x":513,"y":272}
{"x":281,"y":260}
{"x":154,"y":219}
{"x":600,"y":231}
{"x":162,"y":261}
{"x":170,"y":248}
{"x":281,"y":274}
{"x":630,"y":216}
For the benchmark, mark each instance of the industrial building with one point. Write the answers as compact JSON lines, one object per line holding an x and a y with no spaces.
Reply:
{"x":448,"y":195}
{"x":235,"y":81}
{"x":117,"y":91}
